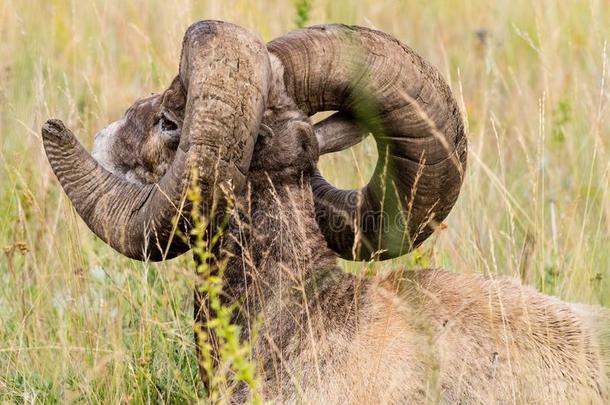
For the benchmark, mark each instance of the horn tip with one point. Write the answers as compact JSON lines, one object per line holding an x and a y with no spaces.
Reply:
{"x":54,"y":130}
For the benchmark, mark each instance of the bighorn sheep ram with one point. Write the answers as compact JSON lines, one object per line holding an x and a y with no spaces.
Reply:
{"x":238,"y":113}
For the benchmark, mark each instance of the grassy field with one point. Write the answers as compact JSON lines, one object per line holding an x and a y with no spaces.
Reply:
{"x":79,"y":323}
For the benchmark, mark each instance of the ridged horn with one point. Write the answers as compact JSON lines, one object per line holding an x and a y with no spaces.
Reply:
{"x":386,"y":88}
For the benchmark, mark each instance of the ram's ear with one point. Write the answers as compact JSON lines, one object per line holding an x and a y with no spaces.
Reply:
{"x":265,"y":132}
{"x":174,"y":98}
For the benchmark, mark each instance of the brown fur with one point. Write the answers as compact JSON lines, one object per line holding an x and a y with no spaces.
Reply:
{"x":411,"y":337}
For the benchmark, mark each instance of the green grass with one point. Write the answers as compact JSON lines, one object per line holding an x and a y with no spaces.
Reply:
{"x":80,"y":323}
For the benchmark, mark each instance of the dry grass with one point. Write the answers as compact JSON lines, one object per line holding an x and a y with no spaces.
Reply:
{"x":80,"y":323}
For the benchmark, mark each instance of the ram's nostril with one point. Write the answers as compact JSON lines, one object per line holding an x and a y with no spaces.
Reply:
{"x":168,"y":125}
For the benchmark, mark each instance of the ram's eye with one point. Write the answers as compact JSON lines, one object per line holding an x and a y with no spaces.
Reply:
{"x":167,"y":124}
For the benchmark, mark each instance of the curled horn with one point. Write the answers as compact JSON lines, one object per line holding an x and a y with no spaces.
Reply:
{"x":381,"y":86}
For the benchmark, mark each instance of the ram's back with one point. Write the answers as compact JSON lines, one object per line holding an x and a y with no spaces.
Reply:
{"x":598,"y":320}
{"x":496,"y":341}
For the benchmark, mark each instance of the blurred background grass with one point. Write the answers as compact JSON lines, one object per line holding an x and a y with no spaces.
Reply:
{"x":78,"y":322}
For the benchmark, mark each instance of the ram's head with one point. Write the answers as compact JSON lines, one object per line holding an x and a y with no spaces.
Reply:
{"x":232,"y":90}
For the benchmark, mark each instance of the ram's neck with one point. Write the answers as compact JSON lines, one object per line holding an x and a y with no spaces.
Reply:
{"x":276,"y":243}
{"x":281,"y":276}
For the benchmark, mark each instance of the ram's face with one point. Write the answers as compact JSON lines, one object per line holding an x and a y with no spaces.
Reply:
{"x":141,"y":145}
